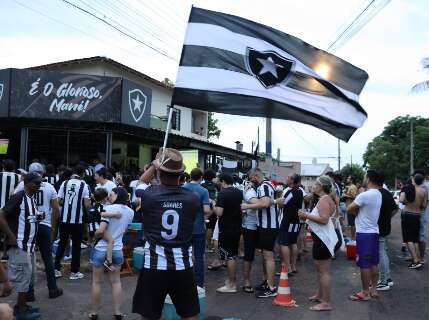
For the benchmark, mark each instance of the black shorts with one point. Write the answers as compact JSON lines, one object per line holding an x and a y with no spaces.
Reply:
{"x":154,"y":285}
{"x":267,"y":239}
{"x":229,"y":242}
{"x":410,"y":223}
{"x":250,"y":238}
{"x":320,"y":250}
{"x":288,"y":235}
{"x":212,"y":222}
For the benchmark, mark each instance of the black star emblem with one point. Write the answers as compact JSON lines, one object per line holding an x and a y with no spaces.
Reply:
{"x":268,"y":67}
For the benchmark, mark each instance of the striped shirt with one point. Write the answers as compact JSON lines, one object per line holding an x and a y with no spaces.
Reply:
{"x":8,"y":183}
{"x":52,"y":179}
{"x":20,"y":212}
{"x":169,"y":213}
{"x":267,"y":217}
{"x":73,"y":192}
{"x":43,"y":199}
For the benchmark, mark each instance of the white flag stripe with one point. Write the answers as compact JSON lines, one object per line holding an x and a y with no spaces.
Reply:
{"x":226,"y":81}
{"x":222,"y":38}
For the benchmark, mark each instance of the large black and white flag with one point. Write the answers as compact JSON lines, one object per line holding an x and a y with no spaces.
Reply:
{"x":236,"y":66}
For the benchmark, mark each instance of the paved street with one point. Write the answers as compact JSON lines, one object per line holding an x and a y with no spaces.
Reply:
{"x":406,"y":300}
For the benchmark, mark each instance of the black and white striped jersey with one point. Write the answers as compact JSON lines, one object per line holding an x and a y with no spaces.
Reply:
{"x":43,"y":199}
{"x":73,"y":192}
{"x":169,"y":213}
{"x":293,"y":200}
{"x":8,"y":182}
{"x":267,"y":217}
{"x":52,"y":179}
{"x":20,"y":212}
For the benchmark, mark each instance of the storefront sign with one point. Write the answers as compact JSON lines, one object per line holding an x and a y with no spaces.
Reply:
{"x":4,"y":92}
{"x":53,"y":95}
{"x":136,"y":104}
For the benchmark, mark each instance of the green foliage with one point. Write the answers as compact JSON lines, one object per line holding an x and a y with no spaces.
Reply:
{"x":354,"y":170}
{"x":212,"y":128}
{"x":390,"y":151}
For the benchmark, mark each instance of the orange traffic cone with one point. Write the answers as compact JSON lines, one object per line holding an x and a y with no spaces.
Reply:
{"x":284,"y":298}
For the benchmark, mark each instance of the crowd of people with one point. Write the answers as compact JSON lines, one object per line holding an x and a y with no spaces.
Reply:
{"x":186,"y":216}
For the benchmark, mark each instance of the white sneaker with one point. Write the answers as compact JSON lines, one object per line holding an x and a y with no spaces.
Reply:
{"x":227,"y":289}
{"x":76,"y":275}
{"x":68,"y":258}
{"x":58,"y":274}
{"x":83,"y":246}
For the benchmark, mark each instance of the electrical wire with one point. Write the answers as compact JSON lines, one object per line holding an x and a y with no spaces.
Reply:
{"x":119,"y":30}
{"x":77,"y":29}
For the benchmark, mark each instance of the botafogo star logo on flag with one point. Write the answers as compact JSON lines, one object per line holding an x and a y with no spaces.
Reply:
{"x":268,"y":67}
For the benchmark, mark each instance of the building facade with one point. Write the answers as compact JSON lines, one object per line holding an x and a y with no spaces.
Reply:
{"x":97,"y":108}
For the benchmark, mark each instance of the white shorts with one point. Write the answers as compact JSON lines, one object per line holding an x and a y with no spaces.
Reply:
{"x":216,"y":231}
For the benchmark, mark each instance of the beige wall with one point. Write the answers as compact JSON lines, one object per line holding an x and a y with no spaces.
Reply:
{"x":279,"y":171}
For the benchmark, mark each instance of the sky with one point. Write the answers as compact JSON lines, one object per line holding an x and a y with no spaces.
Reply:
{"x":389,"y":48}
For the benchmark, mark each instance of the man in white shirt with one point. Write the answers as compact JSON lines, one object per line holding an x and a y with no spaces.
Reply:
{"x":366,"y":207}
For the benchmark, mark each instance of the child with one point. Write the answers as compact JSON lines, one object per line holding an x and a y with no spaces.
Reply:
{"x":96,"y":215}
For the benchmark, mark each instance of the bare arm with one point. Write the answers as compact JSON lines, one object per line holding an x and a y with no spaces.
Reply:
{"x":87,"y":203}
{"x":207,"y":211}
{"x":148,"y":175}
{"x":402,"y":198}
{"x":55,"y":216}
{"x":4,"y":227}
{"x":353,"y":208}
{"x":261,"y":203}
{"x":115,"y":215}
{"x":100,"y":231}
{"x":218,"y":211}
{"x":325,"y":211}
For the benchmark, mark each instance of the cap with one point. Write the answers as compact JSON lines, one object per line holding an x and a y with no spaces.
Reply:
{"x":36,"y":167}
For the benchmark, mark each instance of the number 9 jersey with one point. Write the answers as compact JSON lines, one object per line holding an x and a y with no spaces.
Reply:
{"x":168,"y":213}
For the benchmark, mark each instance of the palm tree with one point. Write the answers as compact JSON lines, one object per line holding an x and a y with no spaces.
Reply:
{"x":424,"y":85}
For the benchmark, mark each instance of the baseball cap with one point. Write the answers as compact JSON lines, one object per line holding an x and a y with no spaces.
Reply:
{"x":36,"y":167}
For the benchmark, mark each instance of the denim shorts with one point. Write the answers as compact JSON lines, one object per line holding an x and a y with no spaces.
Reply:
{"x":98,"y":257}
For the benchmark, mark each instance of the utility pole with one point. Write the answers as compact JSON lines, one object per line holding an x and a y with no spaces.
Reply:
{"x":339,"y":155}
{"x":411,"y":146}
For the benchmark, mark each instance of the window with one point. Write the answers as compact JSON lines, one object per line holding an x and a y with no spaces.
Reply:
{"x":175,"y":119}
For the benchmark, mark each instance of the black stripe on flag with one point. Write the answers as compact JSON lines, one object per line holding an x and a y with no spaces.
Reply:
{"x":233,"y":104}
{"x":344,"y":74}
{"x":198,"y":56}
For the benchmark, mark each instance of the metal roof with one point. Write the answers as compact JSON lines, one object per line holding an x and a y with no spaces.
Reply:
{"x":314,"y":170}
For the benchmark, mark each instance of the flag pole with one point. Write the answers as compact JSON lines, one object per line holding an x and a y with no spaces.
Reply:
{"x":167,"y":132}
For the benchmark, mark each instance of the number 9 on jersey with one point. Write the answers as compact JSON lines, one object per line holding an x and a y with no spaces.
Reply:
{"x":170,"y":222}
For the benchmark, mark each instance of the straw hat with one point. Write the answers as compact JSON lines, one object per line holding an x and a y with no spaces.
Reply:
{"x":171,"y":161}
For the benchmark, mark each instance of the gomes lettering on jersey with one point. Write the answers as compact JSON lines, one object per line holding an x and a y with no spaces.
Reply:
{"x":171,"y":204}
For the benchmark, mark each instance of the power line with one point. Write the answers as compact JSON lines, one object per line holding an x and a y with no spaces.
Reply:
{"x":77,"y":29}
{"x":119,"y":30}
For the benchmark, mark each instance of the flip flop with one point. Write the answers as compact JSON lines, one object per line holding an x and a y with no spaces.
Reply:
{"x":313,"y":299}
{"x":248,"y":289}
{"x":214,"y":268}
{"x":359,"y":296}
{"x":316,"y":308}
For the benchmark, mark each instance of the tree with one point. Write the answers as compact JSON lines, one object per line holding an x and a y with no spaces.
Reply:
{"x":390,"y":151}
{"x":168,"y":83}
{"x":354,"y":170}
{"x":212,"y":128}
{"x":424,"y":85}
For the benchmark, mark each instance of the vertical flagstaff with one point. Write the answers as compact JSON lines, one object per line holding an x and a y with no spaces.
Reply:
{"x":167,"y":132}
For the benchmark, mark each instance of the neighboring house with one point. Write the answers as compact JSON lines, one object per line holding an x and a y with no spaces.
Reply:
{"x":310,"y":172}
